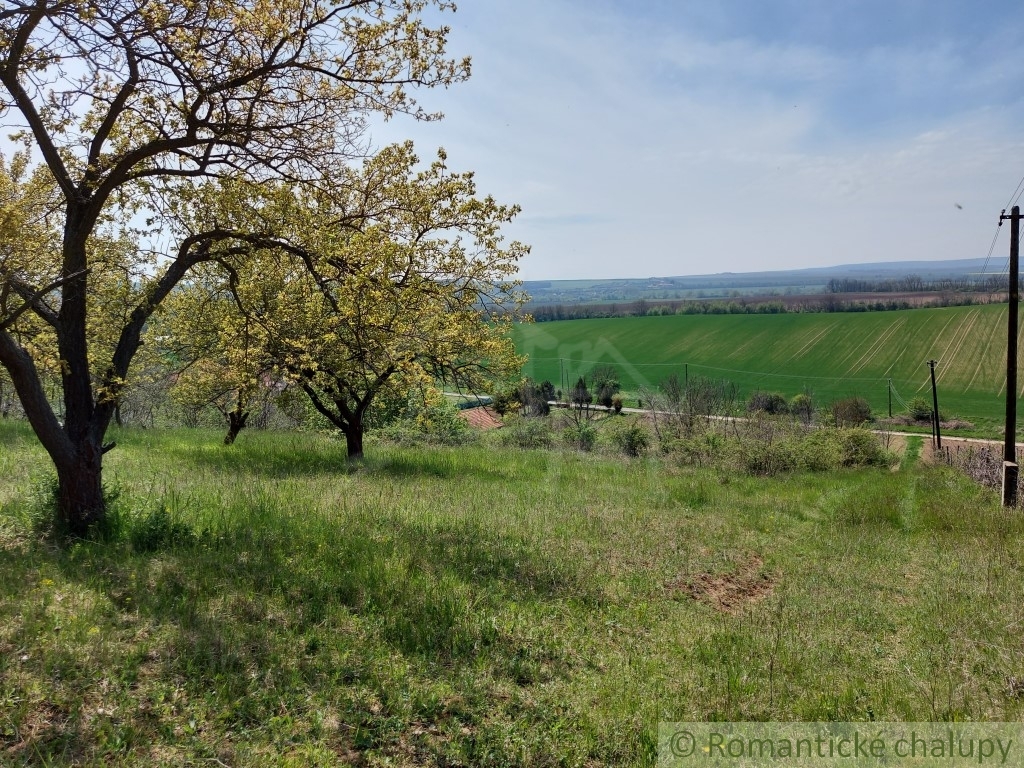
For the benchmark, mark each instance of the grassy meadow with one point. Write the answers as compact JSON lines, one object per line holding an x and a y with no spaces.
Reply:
{"x":834,"y":355}
{"x":266,"y":604}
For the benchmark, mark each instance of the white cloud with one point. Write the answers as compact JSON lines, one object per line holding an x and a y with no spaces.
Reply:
{"x":639,"y":151}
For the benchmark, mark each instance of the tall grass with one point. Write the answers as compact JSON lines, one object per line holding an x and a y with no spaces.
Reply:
{"x":269,"y":604}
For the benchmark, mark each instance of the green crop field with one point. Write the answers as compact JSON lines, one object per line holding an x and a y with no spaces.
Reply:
{"x":832,"y":355}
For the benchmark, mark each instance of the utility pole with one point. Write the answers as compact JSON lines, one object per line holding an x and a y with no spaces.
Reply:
{"x":1010,"y":468}
{"x":890,"y":398}
{"x":935,"y":407}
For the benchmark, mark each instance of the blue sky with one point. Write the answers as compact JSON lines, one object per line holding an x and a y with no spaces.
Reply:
{"x":676,"y":137}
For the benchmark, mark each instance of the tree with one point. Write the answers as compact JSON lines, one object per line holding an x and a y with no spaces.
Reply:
{"x":129,"y":103}
{"x":579,"y":395}
{"x":535,"y":398}
{"x":395,"y":278}
{"x":218,"y":360}
{"x":605,"y":381}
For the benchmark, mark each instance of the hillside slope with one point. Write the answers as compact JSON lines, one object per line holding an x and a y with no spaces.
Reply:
{"x":832,"y":355}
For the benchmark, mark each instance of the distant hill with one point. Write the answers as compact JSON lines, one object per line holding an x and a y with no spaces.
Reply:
{"x":807,"y":280}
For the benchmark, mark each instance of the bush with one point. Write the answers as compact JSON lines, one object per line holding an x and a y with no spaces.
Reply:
{"x":802,"y":406}
{"x":830,"y":448}
{"x":605,"y":382}
{"x":439,"y":420}
{"x":920,"y":409}
{"x":772,"y":403}
{"x":765,"y":445}
{"x":703,"y":449}
{"x":632,"y":439}
{"x":581,"y":436}
{"x":617,"y":403}
{"x":851,"y":412}
{"x":860,"y":448}
{"x":580,"y":396}
{"x":761,"y":458}
{"x":430,"y":418}
{"x":527,"y":433}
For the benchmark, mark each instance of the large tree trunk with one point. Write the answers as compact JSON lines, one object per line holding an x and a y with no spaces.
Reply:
{"x":80,"y":504}
{"x":354,"y":440}
{"x":77,"y":456}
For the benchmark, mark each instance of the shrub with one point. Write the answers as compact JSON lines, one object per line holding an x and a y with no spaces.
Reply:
{"x":703,"y":449}
{"x":767,"y":402}
{"x":860,"y":448}
{"x":430,"y":418}
{"x":632,"y":439}
{"x":527,"y":433}
{"x":761,"y":458}
{"x":581,"y":436}
{"x":617,"y":403}
{"x":820,"y":450}
{"x":439,"y":420}
{"x":920,"y":409}
{"x":851,"y":412}
{"x":802,"y":406}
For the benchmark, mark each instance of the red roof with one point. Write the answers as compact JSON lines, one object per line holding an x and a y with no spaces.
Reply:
{"x":481,"y":417}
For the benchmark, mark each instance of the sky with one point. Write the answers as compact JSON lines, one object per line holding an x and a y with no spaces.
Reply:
{"x":675,"y":137}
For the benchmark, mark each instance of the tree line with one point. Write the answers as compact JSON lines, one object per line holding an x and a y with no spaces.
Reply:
{"x":832,"y":302}
{"x":917,"y":284}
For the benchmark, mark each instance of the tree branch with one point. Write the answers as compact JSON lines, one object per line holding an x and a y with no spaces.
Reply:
{"x":31,"y":298}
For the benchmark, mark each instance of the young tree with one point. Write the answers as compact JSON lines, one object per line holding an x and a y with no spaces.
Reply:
{"x":217,"y":358}
{"x":535,"y":398}
{"x":128,"y":103}
{"x":580,"y":396}
{"x":395,"y":278}
{"x":605,"y":381}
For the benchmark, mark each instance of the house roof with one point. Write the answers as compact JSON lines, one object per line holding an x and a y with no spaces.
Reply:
{"x":481,"y":417}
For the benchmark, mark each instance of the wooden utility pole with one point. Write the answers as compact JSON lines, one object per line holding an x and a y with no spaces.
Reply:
{"x":935,"y":407}
{"x":890,"y":398}
{"x":1010,"y":468}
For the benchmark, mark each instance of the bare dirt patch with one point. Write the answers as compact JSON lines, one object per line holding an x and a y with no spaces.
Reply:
{"x":728,"y":592}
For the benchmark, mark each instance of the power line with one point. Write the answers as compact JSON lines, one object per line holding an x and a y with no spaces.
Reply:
{"x":991,"y":249}
{"x":995,"y":237}
{"x":1016,"y":194}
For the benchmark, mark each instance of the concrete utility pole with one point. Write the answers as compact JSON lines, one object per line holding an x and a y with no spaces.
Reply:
{"x":1010,"y":468}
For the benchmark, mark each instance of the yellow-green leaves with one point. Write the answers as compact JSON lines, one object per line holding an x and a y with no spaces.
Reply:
{"x":396,"y":276}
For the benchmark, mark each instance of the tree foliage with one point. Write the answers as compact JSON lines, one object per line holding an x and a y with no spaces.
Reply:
{"x":395,"y":278}
{"x":129,"y":104}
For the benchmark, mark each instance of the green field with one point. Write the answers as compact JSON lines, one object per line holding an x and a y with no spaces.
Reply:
{"x":833,"y":355}
{"x":266,"y":604}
